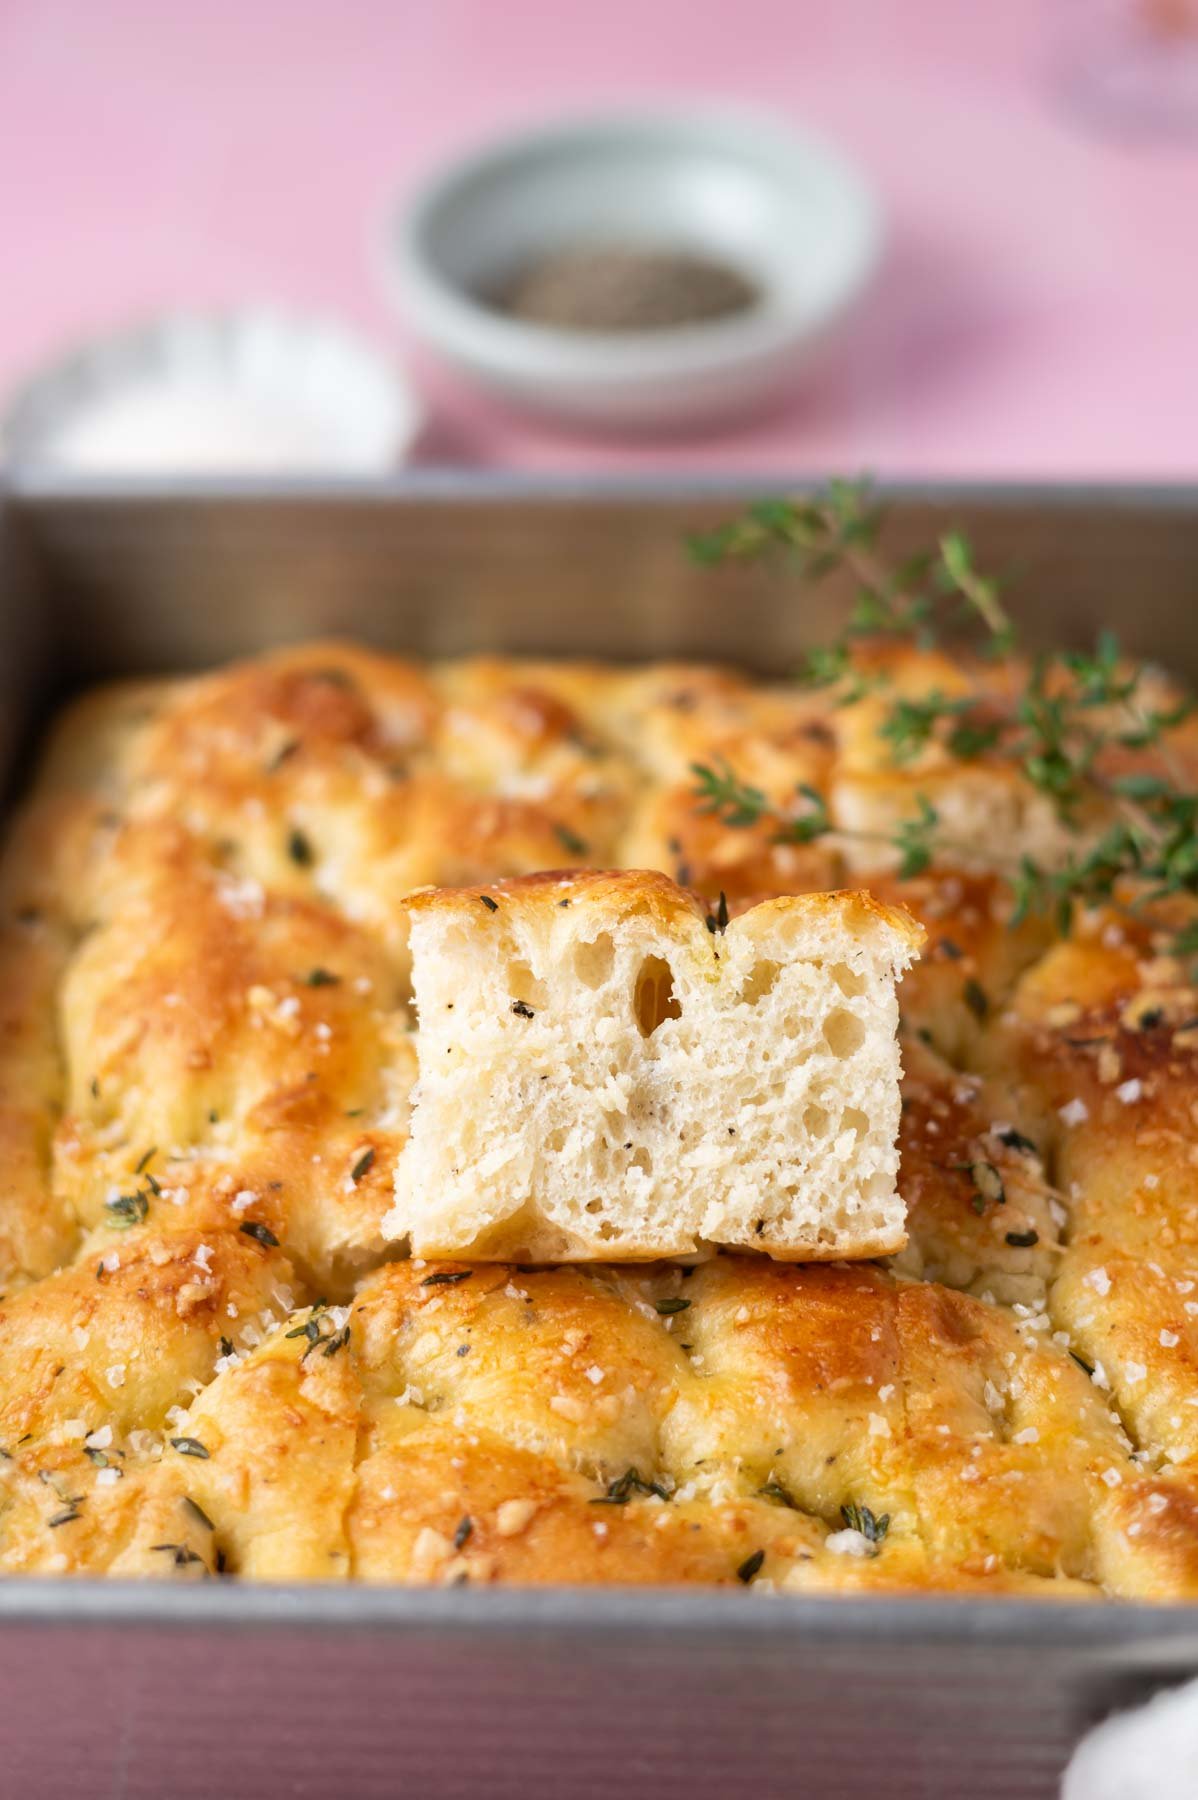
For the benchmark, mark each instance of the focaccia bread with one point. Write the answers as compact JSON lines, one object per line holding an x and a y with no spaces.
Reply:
{"x":213,"y":1360}
{"x":607,"y":1071}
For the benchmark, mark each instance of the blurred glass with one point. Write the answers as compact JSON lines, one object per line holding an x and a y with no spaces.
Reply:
{"x":1131,"y":66}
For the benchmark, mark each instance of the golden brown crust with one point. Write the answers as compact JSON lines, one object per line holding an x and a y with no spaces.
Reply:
{"x":205,"y":1057}
{"x":611,"y":1447}
{"x":630,"y":892}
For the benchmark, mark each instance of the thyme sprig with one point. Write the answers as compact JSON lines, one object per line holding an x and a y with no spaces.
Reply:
{"x":313,"y":1328}
{"x":1065,"y":727}
{"x":720,"y":791}
{"x":838,"y":528}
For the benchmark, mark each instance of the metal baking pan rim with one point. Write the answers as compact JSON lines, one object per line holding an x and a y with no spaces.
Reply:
{"x":1042,"y":1625}
{"x":41,"y":487}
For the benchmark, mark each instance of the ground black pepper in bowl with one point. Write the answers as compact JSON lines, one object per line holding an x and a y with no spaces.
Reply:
{"x":621,"y":288}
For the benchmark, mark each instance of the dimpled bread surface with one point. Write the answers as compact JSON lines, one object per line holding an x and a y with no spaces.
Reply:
{"x":213,"y":1358}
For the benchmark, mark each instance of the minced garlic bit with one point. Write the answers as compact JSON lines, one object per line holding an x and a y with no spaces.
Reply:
{"x":514,"y":1516}
{"x":430,"y":1547}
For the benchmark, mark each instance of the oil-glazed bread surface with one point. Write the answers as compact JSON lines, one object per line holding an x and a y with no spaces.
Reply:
{"x":212,"y":1358}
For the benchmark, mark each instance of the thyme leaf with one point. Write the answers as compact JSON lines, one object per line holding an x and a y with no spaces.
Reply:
{"x":126,"y":1210}
{"x":621,"y":1490}
{"x":750,"y":1567}
{"x":299,"y":848}
{"x":861,"y":1518}
{"x":262,"y":1234}
{"x":569,"y":840}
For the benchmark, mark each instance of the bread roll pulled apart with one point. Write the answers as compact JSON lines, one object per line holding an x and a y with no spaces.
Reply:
{"x":606,"y":1072}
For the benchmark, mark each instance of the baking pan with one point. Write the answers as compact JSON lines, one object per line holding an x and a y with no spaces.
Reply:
{"x":142,"y":1692}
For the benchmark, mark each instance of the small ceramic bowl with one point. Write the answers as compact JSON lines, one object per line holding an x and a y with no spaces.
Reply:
{"x":253,"y":391}
{"x":781,"y":208}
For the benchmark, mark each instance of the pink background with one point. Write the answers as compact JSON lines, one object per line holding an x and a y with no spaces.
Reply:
{"x":1038,"y":314}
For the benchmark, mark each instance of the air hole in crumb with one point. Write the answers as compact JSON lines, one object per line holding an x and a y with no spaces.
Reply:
{"x":844,"y":1034}
{"x":760,"y":982}
{"x":816,"y":1120}
{"x":640,"y":1159}
{"x":556,"y":1139}
{"x":853,"y":1119}
{"x":593,"y":962}
{"x":850,"y":981}
{"x":795,"y":1027}
{"x":653,"y":999}
{"x":523,"y":985}
{"x":594,"y":1206}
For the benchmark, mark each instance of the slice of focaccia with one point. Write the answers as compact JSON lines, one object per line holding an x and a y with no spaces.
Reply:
{"x":606,"y":1073}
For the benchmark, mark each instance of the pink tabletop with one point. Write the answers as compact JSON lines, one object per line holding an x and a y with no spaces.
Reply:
{"x":1038,"y":314}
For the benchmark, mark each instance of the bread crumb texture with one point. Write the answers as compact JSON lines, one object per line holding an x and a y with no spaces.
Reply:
{"x":607,"y":1073}
{"x":214,"y":1357}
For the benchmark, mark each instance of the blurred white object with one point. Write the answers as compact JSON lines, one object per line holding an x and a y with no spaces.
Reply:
{"x":783,"y":209}
{"x":242,"y":393}
{"x":1148,"y":1754}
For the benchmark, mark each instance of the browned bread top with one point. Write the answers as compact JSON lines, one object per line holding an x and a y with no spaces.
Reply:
{"x":206,"y":1057}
